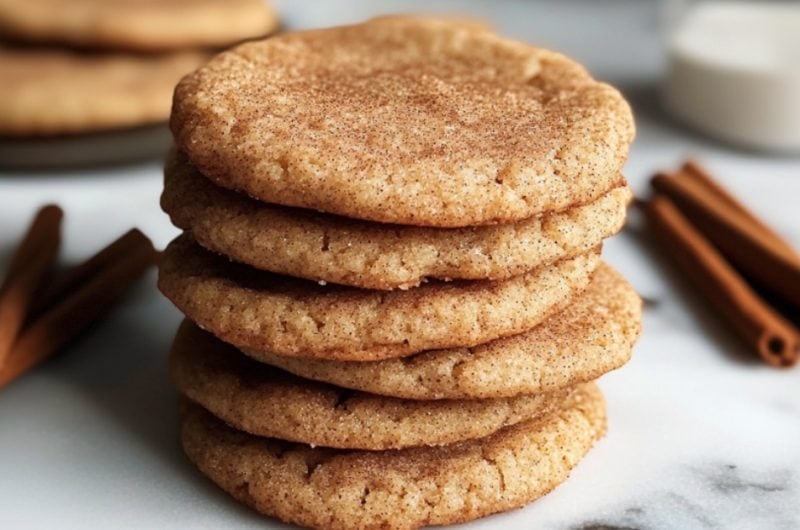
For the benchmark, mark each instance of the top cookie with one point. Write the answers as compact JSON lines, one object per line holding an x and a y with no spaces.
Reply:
{"x":410,"y":121}
{"x":145,"y":25}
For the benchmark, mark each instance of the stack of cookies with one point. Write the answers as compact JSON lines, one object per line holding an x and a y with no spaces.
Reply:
{"x":80,"y":66}
{"x":391,"y":271}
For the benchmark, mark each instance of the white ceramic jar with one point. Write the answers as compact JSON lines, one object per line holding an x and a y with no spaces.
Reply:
{"x":734,"y":70}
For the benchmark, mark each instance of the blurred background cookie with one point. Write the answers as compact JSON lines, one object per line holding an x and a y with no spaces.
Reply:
{"x":91,"y":82}
{"x":139,"y":25}
{"x":48,"y":91}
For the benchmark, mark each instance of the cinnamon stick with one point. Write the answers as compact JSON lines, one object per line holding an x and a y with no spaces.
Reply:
{"x":61,"y":286}
{"x":775,"y":339}
{"x":27,"y":271}
{"x":68,"y":317}
{"x":694,"y":170}
{"x":748,"y":243}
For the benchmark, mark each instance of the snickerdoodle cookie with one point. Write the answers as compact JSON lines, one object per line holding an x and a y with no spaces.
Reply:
{"x":405,"y":489}
{"x":433,"y":124}
{"x":151,"y":25}
{"x":317,"y":246}
{"x":266,"y":401}
{"x":50,"y":91}
{"x":279,"y":314}
{"x":593,"y":335}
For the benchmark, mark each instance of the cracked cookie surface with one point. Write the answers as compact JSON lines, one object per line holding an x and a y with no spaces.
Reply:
{"x":286,"y":316}
{"x":266,"y":401}
{"x":593,"y":335}
{"x":317,"y":246}
{"x":403,"y":489}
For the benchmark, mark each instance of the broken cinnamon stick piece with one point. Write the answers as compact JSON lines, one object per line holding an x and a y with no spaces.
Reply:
{"x":61,"y":286}
{"x":775,"y":339}
{"x":27,"y":272}
{"x":739,"y":235}
{"x":70,"y":316}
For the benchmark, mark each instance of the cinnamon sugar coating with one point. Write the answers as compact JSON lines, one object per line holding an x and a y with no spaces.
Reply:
{"x":593,"y":335}
{"x":403,"y":121}
{"x":335,"y":249}
{"x":287,"y":316}
{"x":405,"y":489}
{"x":267,"y":401}
{"x":330,"y":183}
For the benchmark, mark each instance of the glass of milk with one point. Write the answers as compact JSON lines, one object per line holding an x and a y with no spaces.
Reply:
{"x":734,"y":70}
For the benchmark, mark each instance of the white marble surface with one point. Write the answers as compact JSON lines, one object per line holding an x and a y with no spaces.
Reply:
{"x":701,"y":436}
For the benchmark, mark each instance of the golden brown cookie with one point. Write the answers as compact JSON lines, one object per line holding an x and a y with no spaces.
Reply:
{"x":334,"y":489}
{"x":266,"y":401}
{"x":326,"y":247}
{"x":421,"y":123}
{"x":592,"y":336}
{"x":142,"y":25}
{"x":48,"y":91}
{"x":283,"y":315}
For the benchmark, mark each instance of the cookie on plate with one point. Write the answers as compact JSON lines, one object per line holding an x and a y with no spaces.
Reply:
{"x":153,"y":25}
{"x":400,"y":489}
{"x":52,"y":92}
